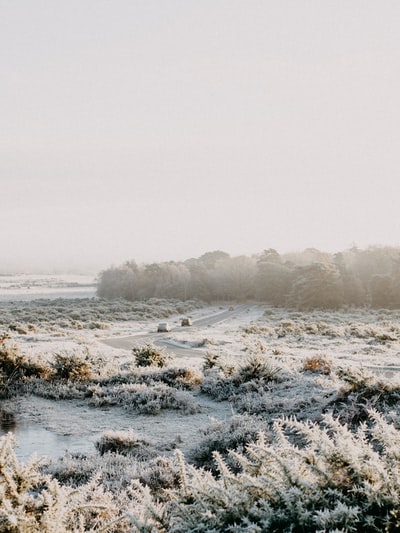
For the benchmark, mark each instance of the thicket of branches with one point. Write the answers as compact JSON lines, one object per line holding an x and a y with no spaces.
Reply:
{"x":308,"y":280}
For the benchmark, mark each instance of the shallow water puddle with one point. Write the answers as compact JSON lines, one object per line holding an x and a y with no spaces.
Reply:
{"x":32,"y":438}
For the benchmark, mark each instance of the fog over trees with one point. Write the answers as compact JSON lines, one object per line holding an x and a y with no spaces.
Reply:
{"x":305,"y":280}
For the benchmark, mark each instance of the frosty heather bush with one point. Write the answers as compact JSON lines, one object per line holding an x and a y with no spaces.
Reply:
{"x":115,"y":472}
{"x":145,"y":399}
{"x":181,"y":378}
{"x":60,"y":389}
{"x":150,"y":355}
{"x":211,"y":360}
{"x":353,"y":402}
{"x":224,"y":437}
{"x":257,"y":329}
{"x":125,"y":443}
{"x":318,"y":363}
{"x":159,"y":474}
{"x":256,"y":371}
{"x":31,"y":502}
{"x":16,"y":367}
{"x":257,"y":367}
{"x":355,"y":378}
{"x":73,"y":365}
{"x":336,"y":481}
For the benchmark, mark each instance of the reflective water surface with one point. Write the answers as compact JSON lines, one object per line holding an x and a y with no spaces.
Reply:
{"x":32,"y":438}
{"x":35,"y":439}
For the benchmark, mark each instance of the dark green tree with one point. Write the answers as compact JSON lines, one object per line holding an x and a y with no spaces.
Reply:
{"x":316,"y":286}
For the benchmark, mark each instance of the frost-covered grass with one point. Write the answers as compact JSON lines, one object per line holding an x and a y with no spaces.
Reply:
{"x":357,"y":322}
{"x":359,"y":336}
{"x":84,"y":313}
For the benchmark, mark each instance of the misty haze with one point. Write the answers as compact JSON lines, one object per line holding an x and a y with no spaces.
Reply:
{"x":199,"y":266}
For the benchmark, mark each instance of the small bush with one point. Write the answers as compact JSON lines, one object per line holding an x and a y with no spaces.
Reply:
{"x":319,"y":364}
{"x":73,"y":366}
{"x":257,"y":368}
{"x":355,"y":378}
{"x":211,"y":360}
{"x":225,"y":382}
{"x":353,"y":403}
{"x":181,"y":378}
{"x":125,"y":443}
{"x":145,"y":399}
{"x":115,"y":472}
{"x":150,"y":355}
{"x":223,"y":437}
{"x":36,"y":503}
{"x":16,"y":367}
{"x":160,"y":474}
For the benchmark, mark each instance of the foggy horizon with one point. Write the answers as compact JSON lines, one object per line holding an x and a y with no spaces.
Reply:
{"x":159,"y":131}
{"x":93,"y":268}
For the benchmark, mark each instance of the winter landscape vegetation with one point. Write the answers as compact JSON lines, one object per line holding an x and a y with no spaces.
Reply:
{"x":277,"y":410}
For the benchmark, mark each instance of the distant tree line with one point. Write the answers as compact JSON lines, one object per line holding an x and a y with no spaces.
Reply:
{"x":306,"y":280}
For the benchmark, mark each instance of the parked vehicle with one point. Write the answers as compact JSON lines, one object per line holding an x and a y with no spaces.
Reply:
{"x":163,"y":326}
{"x":186,"y":322}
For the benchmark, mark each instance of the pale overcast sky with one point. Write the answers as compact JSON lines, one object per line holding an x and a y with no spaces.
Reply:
{"x":162,"y":129}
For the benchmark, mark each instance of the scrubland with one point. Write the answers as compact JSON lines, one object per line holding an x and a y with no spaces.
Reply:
{"x":268,"y":421}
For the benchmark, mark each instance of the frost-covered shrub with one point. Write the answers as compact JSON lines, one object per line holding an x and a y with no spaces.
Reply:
{"x":16,"y":367}
{"x":125,"y":443}
{"x":319,"y":364}
{"x":115,"y":472}
{"x":355,"y":378}
{"x":288,"y":327}
{"x":218,"y":386}
{"x":225,"y":436}
{"x":145,"y":399}
{"x":74,"y":366}
{"x":36,"y":503}
{"x":381,"y":332}
{"x":19,"y":328}
{"x":257,"y":368}
{"x":159,"y":474}
{"x":256,"y":371}
{"x":354,"y":401}
{"x":60,"y":389}
{"x":336,"y":481}
{"x":211,"y":360}
{"x":150,"y":355}
{"x":73,"y":469}
{"x":181,"y":378}
{"x":271,"y":404}
{"x":257,"y":329}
